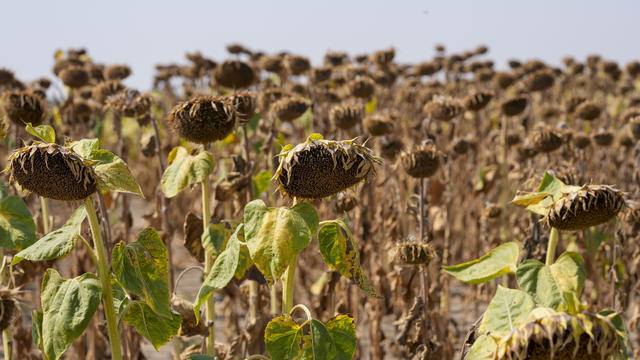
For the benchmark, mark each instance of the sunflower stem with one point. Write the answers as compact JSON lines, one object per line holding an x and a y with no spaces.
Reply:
{"x":551,"y":247}
{"x":105,"y":278}
{"x":7,"y":334}
{"x":46,"y":225}
{"x":210,"y":310}
{"x":287,"y":286}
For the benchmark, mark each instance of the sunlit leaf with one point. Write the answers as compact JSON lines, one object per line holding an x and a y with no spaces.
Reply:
{"x":185,"y":169}
{"x":42,"y":132}
{"x":261,"y":183}
{"x":142,"y":268}
{"x":276,"y":235}
{"x":155,"y":328}
{"x":507,"y":309}
{"x":17,"y":229}
{"x":221,"y":272}
{"x":499,"y":261}
{"x":340,"y":251}
{"x":553,"y":286}
{"x":67,"y":308}
{"x":57,"y":243}
{"x":283,"y":338}
{"x":483,"y":348}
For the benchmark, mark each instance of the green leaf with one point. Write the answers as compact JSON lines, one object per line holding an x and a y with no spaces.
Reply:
{"x":85,"y":147}
{"x":244,"y":262}
{"x":261,"y":183}
{"x":155,"y":328}
{"x":57,"y":243}
{"x":142,"y":268}
{"x":17,"y":229}
{"x":507,"y":309}
{"x":283,"y":338}
{"x":36,"y":328}
{"x":275,"y":236}
{"x":553,"y":286}
{"x":67,"y":307}
{"x":499,"y":261}
{"x":185,"y":169}
{"x":483,"y":348}
{"x":215,"y":240}
{"x":551,"y":189}
{"x":114,"y":173}
{"x":221,"y":272}
{"x":340,"y":251}
{"x":42,"y":132}
{"x":255,"y":120}
{"x":343,"y":333}
{"x":120,"y":297}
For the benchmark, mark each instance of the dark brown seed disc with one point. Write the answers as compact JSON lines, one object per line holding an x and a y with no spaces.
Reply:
{"x":590,"y":206}
{"x":203,"y":119}
{"x":24,"y":107}
{"x":53,"y":172}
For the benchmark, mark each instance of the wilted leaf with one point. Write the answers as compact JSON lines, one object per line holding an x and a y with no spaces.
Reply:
{"x":67,"y":307}
{"x":36,"y":328}
{"x":283,"y":338}
{"x":483,"y":348}
{"x":57,"y":243}
{"x":114,"y":173}
{"x":340,"y":251}
{"x":17,"y":229}
{"x":552,"y":286}
{"x":221,"y":272}
{"x":507,"y":309}
{"x":551,"y":189}
{"x":42,"y":132}
{"x":185,"y":169}
{"x":215,"y":240}
{"x":499,"y":261}
{"x":155,"y":328}
{"x":276,"y":235}
{"x":343,"y":333}
{"x":142,"y":268}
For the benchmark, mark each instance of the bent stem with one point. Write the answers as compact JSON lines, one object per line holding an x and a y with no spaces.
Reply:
{"x":287,"y":286}
{"x":551,"y":247}
{"x":105,"y":279}
{"x":46,"y":225}
{"x":210,"y":310}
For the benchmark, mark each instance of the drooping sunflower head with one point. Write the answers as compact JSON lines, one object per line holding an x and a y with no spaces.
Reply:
{"x":318,"y":168}
{"x":548,"y":334}
{"x":234,"y":74}
{"x":415,"y":253}
{"x":24,"y":107}
{"x":9,"y":309}
{"x":203,"y":119}
{"x":53,"y":171}
{"x":290,"y":108}
{"x":245,"y":105}
{"x":422,"y":161}
{"x":591,"y":205}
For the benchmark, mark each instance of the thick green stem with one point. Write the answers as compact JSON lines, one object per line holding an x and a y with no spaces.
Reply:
{"x":210,"y":310}
{"x":287,"y":286}
{"x":551,"y":247}
{"x":274,"y":300}
{"x":46,"y":225}
{"x":7,"y":334}
{"x":105,"y":279}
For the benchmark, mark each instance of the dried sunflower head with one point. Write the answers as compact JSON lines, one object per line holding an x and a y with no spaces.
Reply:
{"x":378,"y":124}
{"x":346,"y":115}
{"x":546,"y":140}
{"x":105,"y":89}
{"x":321,"y":74}
{"x":477,"y":101}
{"x":362,"y":87}
{"x":24,"y":107}
{"x":74,"y":76}
{"x":588,"y":111}
{"x":603,"y":138}
{"x":234,"y":74}
{"x":297,"y":65}
{"x":130,"y":103}
{"x":548,"y":334}
{"x":203,"y":119}
{"x":319,"y":168}
{"x":245,"y":105}
{"x":390,"y":147}
{"x":514,"y":106}
{"x":414,"y":253}
{"x":589,"y":206}
{"x":6,"y":76}
{"x":444,"y":110}
{"x":53,"y":171}
{"x":581,"y":140}
{"x":539,"y":80}
{"x":117,"y":72}
{"x":290,"y":108}
{"x":9,"y":309}
{"x":422,"y":161}
{"x":634,"y":127}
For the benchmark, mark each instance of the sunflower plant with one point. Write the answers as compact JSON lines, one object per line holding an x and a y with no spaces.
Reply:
{"x":545,"y":317}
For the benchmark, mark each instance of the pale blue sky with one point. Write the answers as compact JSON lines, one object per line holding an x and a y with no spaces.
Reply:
{"x":143,"y":33}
